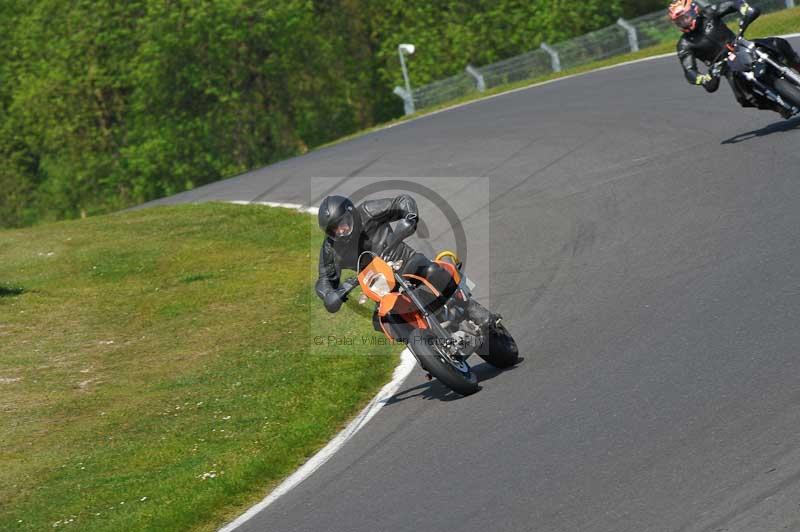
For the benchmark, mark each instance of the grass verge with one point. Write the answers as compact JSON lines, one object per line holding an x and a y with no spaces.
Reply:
{"x":779,"y":23}
{"x":157,"y":368}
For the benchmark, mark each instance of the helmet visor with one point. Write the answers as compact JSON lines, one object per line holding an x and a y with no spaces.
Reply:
{"x":341,"y":228}
{"x":686,"y":21}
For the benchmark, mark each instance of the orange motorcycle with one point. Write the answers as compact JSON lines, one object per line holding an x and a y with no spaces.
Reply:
{"x":441,"y":336}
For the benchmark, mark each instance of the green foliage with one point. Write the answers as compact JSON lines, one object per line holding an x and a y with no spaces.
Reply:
{"x":452,"y":33}
{"x":108,"y":104}
{"x":635,"y":8}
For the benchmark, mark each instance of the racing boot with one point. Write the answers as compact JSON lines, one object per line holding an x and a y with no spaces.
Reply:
{"x":788,"y":113}
{"x":483,"y":317}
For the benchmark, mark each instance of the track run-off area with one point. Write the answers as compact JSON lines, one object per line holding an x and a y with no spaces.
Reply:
{"x":643,"y":244}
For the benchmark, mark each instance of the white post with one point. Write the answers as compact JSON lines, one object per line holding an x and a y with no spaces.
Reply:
{"x":405,"y":69}
{"x":479,"y":81}
{"x":789,"y":4}
{"x":408,"y":100}
{"x":554,"y":59}
{"x":407,"y":95}
{"x":633,"y":38}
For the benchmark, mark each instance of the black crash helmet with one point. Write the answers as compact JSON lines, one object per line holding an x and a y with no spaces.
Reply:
{"x":338,"y":218}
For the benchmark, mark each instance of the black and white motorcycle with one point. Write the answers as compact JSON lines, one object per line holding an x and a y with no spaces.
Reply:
{"x":761,"y":68}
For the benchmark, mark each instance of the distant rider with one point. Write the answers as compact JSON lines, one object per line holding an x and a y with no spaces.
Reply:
{"x":350,"y":230}
{"x":705,"y":36}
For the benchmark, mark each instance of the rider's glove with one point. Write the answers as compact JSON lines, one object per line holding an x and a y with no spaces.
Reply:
{"x":335,"y":298}
{"x":744,"y":8}
{"x":702,"y":79}
{"x":748,"y":15}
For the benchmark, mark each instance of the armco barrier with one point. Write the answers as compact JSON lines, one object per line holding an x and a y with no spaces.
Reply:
{"x":623,"y":37}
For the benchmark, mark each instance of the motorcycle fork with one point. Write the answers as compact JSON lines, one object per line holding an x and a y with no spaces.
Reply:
{"x":784,"y":72}
{"x":433,"y":323}
{"x":769,"y":93}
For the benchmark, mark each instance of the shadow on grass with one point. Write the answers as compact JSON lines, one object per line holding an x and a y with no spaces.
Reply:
{"x":777,"y":127}
{"x":435,"y":390}
{"x":10,"y":291}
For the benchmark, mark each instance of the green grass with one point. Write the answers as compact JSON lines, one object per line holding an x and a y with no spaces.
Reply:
{"x":778,"y":23}
{"x":141,"y":352}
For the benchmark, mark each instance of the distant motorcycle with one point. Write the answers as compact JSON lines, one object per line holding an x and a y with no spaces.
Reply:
{"x":442,"y":339}
{"x":762,"y":68}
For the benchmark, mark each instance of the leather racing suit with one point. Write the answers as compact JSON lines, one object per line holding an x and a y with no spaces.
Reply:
{"x":373,"y":233}
{"x":707,"y":43}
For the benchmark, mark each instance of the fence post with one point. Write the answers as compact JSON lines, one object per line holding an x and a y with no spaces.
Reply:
{"x":408,"y":99}
{"x":554,"y":59}
{"x":789,"y":4}
{"x":479,"y":81}
{"x":633,"y":38}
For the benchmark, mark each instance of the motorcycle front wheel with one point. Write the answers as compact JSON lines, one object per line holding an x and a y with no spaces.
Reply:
{"x":499,"y":348}
{"x":456,"y":375}
{"x":788,"y":90}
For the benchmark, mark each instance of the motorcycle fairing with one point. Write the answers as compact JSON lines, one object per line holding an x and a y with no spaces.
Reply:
{"x":395,"y":310}
{"x":376,"y":270}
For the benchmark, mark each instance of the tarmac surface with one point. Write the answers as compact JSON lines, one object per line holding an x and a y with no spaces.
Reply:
{"x":642,"y":240}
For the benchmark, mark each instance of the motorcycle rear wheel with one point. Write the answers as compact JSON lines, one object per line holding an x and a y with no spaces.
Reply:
{"x":433,"y":360}
{"x":788,"y":90}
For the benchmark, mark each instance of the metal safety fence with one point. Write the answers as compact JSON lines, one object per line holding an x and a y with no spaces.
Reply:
{"x":623,"y":37}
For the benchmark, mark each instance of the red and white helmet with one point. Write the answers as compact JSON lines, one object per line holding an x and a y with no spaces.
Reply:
{"x":684,"y":14}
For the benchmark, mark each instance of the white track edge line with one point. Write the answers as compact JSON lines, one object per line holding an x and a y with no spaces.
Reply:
{"x":407,"y":363}
{"x":401,"y":372}
{"x":407,"y":360}
{"x":294,"y":206}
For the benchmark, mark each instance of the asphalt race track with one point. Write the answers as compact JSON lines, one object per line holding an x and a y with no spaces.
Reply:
{"x":645,"y":249}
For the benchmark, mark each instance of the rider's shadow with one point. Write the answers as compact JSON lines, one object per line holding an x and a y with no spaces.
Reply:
{"x":435,"y":390}
{"x":776,"y":127}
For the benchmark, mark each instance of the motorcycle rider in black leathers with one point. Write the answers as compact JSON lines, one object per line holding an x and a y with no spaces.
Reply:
{"x":350,"y":230}
{"x":705,"y":38}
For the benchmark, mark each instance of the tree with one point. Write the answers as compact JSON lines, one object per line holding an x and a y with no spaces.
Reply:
{"x":107,"y":104}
